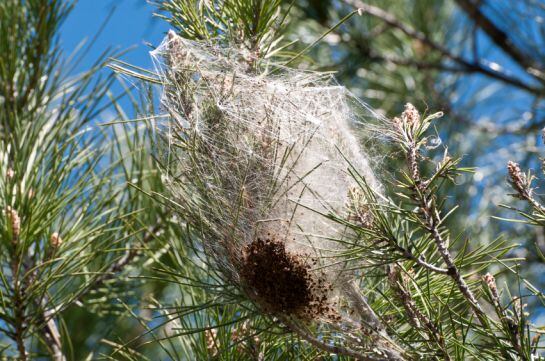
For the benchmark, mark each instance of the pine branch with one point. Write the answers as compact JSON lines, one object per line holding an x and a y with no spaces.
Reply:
{"x":51,"y":333}
{"x":429,"y":213}
{"x":335,"y":349}
{"x":420,"y":260}
{"x":384,"y":343}
{"x":17,"y":267}
{"x":523,"y":186}
{"x":498,"y":36}
{"x":115,"y":268}
{"x":19,"y":318}
{"x":474,"y":67}
{"x":416,"y":317}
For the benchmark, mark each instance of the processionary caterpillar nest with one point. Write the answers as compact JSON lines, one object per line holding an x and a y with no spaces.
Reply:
{"x":255,"y":161}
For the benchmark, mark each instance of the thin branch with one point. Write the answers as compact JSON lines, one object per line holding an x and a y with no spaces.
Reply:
{"x":420,"y":65}
{"x":386,"y":346}
{"x":497,"y":35}
{"x":506,"y":320}
{"x":417,"y":317}
{"x":51,"y":334}
{"x":409,"y":127}
{"x":523,"y":185}
{"x":431,"y":220}
{"x":420,"y":260}
{"x":330,"y":348}
{"x":364,"y":310}
{"x":19,"y":318}
{"x":475,"y":67}
{"x":118,"y":266}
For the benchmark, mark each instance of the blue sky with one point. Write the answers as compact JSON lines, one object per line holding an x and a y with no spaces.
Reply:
{"x":130,"y":26}
{"x":127,"y":25}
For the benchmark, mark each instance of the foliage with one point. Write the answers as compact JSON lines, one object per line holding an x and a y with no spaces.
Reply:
{"x":152,"y":220}
{"x":474,"y":60}
{"x":70,"y":224}
{"x":417,"y":283}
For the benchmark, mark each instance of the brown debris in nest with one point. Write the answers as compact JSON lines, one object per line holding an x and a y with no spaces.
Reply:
{"x":283,"y":283}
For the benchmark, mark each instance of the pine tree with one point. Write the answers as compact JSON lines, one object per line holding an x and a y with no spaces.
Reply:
{"x":70,"y":224}
{"x":240,"y":205}
{"x":385,"y":276}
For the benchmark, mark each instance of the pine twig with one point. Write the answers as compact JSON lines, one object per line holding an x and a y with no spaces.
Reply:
{"x":118,"y":266}
{"x":335,"y":349}
{"x":52,"y":335}
{"x":431,"y":220}
{"x":409,"y":128}
{"x":18,"y":288}
{"x":19,"y":323}
{"x":523,"y":185}
{"x":420,"y":260}
{"x":370,"y":318}
{"x":365,"y":311}
{"x":416,"y":317}
{"x":490,"y":282}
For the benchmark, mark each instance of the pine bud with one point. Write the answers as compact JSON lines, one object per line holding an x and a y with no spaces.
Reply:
{"x":211,"y":343}
{"x":398,"y":124}
{"x":410,"y":115}
{"x":491,"y":283}
{"x":519,"y":181}
{"x":55,"y":240}
{"x":14,"y":221}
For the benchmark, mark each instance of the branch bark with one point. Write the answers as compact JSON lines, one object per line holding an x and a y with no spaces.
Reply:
{"x":416,"y":317}
{"x":17,"y":267}
{"x":384,"y":343}
{"x":51,"y":334}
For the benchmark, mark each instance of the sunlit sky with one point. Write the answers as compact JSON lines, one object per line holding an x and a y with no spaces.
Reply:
{"x":130,"y":26}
